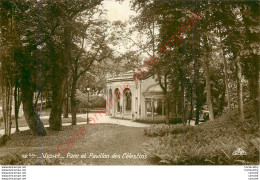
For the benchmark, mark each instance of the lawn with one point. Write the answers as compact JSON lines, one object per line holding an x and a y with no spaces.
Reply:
{"x":45,"y":112}
{"x":22,"y":122}
{"x":210,"y":143}
{"x":101,"y":138}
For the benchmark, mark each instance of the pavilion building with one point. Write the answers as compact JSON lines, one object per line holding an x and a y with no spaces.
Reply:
{"x":135,"y":100}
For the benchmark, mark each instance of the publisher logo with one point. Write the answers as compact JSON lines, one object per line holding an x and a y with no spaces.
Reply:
{"x":239,"y":152}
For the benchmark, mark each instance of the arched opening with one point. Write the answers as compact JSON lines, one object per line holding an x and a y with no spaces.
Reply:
{"x":117,"y":103}
{"x":127,"y":101}
{"x":154,"y":103}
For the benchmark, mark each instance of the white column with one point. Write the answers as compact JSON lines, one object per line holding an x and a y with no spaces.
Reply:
{"x":122,"y":103}
{"x":115,"y":103}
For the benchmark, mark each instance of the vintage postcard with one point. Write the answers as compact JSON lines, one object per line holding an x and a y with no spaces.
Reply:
{"x":129,"y":82}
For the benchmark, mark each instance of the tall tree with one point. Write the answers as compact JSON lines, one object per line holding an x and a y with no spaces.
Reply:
{"x":67,"y":14}
{"x":20,"y":15}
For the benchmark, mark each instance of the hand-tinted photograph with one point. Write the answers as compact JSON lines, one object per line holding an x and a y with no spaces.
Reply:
{"x":129,"y":82}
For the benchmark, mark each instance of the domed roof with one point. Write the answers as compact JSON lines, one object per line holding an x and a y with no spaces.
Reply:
{"x":154,"y":91}
{"x":156,"y":88}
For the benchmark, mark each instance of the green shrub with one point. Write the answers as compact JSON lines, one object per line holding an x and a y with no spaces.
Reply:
{"x":200,"y":148}
{"x":94,"y":101}
{"x":175,"y":120}
{"x":11,"y":159}
{"x":163,"y":129}
{"x":156,"y":130}
{"x":210,"y":143}
{"x":16,"y":159}
{"x":159,"y":121}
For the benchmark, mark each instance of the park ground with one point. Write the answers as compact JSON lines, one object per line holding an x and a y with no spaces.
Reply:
{"x":209,"y":143}
{"x":108,"y":136}
{"x":109,"y":139}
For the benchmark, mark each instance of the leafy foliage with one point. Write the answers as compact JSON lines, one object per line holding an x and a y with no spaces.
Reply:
{"x":211,"y":150}
{"x":226,"y":31}
{"x":163,"y":129}
{"x":94,"y":100}
{"x":16,"y":159}
{"x":211,"y":143}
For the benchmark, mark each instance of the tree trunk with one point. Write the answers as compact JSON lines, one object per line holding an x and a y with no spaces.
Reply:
{"x":191,"y":103}
{"x":183,"y":107}
{"x":60,"y":73}
{"x":208,"y":91}
{"x":257,"y":99}
{"x":226,"y":83}
{"x":197,"y":92}
{"x":183,"y":100}
{"x":32,"y":118}
{"x":73,"y":102}
{"x":226,"y":76}
{"x":65,"y":104}
{"x":222,"y":103}
{"x":10,"y":99}
{"x":165,"y":93}
{"x":167,"y":101}
{"x":58,"y":86}
{"x":65,"y":107}
{"x":255,"y":87}
{"x":197,"y":112}
{"x":176,"y":98}
{"x":4,"y":108}
{"x":167,"y":112}
{"x":57,"y":103}
{"x":16,"y":106}
{"x":174,"y":114}
{"x":239,"y":90}
{"x":7,"y":95}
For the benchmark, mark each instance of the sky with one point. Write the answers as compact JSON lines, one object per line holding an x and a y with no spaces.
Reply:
{"x":118,"y":10}
{"x":121,"y":11}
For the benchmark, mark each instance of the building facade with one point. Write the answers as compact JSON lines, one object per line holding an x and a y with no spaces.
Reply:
{"x":131,"y":99}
